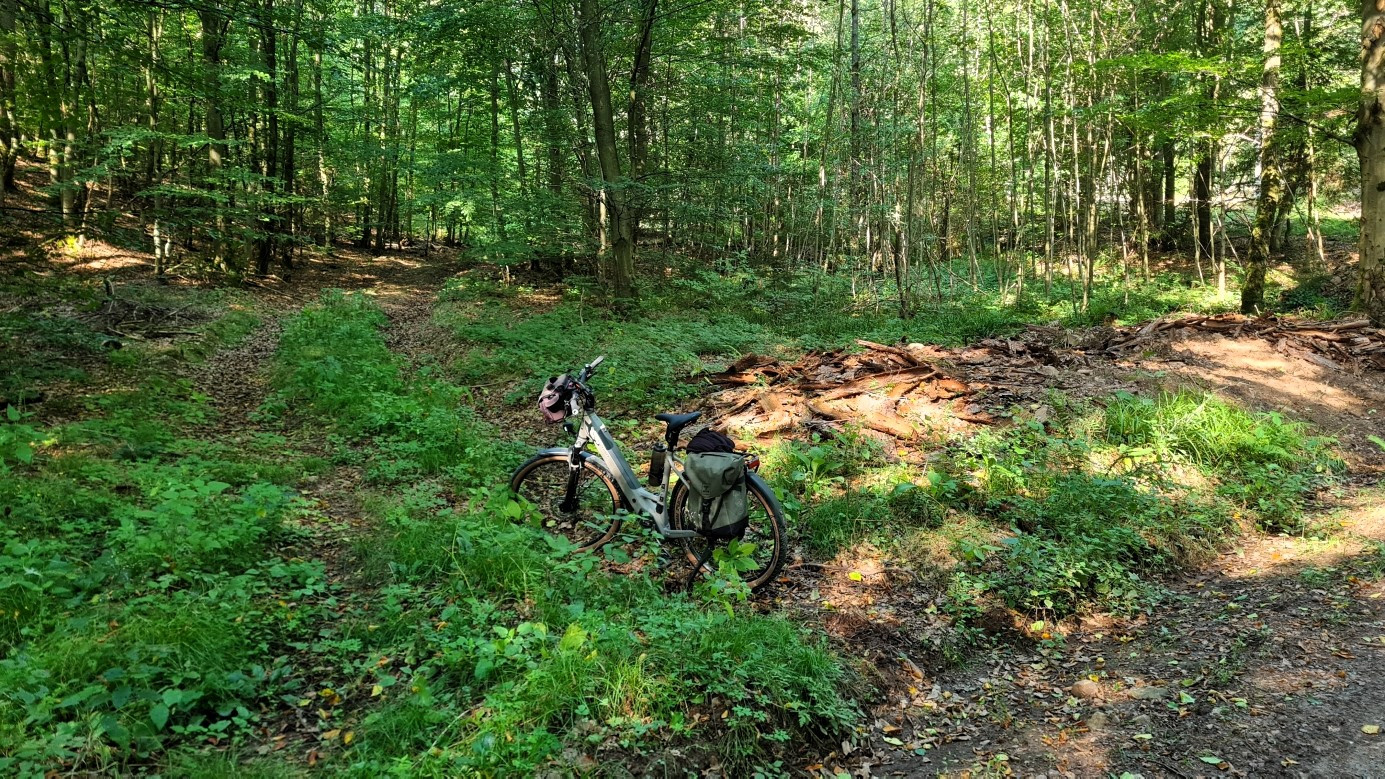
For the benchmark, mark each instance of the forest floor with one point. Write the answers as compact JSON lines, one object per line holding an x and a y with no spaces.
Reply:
{"x":1263,"y":661}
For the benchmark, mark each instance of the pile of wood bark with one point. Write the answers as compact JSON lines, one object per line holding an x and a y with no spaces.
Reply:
{"x":1345,"y":343}
{"x":895,"y":392}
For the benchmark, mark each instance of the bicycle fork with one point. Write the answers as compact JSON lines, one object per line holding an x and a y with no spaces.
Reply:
{"x":574,"y":470}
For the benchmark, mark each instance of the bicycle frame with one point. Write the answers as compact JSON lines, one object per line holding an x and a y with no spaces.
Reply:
{"x":640,"y":501}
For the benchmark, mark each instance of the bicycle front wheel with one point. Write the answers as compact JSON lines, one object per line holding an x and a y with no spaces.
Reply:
{"x":766,"y":532}
{"x":590,"y":520}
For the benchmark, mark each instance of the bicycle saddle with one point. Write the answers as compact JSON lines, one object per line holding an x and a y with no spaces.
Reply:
{"x":676,"y":422}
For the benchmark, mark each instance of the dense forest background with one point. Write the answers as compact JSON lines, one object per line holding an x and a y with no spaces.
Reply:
{"x":916,"y":144}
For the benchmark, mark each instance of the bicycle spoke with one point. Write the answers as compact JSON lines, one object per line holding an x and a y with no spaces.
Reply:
{"x":545,"y":485}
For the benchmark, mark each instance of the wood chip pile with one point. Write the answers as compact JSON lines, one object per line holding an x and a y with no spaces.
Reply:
{"x":1342,"y":344}
{"x":894,"y":392}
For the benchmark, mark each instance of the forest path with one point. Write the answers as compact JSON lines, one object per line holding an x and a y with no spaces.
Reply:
{"x":405,"y":286}
{"x":336,"y":523}
{"x":1268,"y":659}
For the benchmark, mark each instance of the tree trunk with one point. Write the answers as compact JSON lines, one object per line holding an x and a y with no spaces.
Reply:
{"x":213,"y":30}
{"x":1210,"y":26}
{"x":497,"y":211}
{"x":288,"y":170}
{"x":1370,"y":149}
{"x":270,"y":158}
{"x":1271,"y":184}
{"x":151,"y":97}
{"x":617,"y":264}
{"x":854,"y":188}
{"x":9,"y":129}
{"x":324,"y":178}
{"x":553,"y":126}
{"x":637,"y":119}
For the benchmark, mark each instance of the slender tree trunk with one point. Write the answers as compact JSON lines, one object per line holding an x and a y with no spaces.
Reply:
{"x":512,"y":97}
{"x":617,"y":264}
{"x":151,"y":96}
{"x":497,"y":210}
{"x":1271,"y":183}
{"x":213,"y":31}
{"x":324,"y":178}
{"x":9,"y":127}
{"x":1169,"y":158}
{"x":289,"y":212}
{"x":269,"y":217}
{"x":1210,"y":24}
{"x":554,"y":135}
{"x":855,"y":190}
{"x":637,"y":120}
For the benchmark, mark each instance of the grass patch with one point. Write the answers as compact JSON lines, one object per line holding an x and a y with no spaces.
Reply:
{"x":1084,"y":512}
{"x":552,"y":652}
{"x":334,"y":368}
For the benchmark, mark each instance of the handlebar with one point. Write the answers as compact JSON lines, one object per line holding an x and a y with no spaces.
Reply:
{"x":589,"y":369}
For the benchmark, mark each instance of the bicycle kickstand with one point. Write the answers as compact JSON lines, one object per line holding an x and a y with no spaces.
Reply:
{"x":701,"y":561}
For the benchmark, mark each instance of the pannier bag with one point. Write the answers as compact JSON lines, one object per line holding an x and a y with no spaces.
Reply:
{"x":716,"y":479}
{"x":553,"y":400}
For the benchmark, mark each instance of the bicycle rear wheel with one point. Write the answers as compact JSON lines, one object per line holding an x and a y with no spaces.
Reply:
{"x":766,"y":531}
{"x":592,"y":520}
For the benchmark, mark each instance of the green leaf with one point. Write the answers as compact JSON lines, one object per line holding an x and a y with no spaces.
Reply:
{"x":1211,"y":760}
{"x":573,"y":638}
{"x":159,"y":716}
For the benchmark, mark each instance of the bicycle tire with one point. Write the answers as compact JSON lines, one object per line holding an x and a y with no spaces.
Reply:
{"x":776,"y":532}
{"x":542,"y":480}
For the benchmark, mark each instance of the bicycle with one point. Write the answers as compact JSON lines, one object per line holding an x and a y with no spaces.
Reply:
{"x":580,"y":494}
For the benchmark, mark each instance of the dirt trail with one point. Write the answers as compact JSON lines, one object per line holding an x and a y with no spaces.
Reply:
{"x":1269,"y":658}
{"x":236,"y":379}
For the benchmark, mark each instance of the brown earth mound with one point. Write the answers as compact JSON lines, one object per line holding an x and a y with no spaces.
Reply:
{"x":1347,"y":343}
{"x":898,"y":393}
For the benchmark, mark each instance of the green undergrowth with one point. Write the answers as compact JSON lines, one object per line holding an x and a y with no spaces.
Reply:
{"x":693,"y":320}
{"x":160,"y":592}
{"x":490,"y":647}
{"x":1082,"y":511}
{"x":140,"y":572}
{"x":505,"y":649}
{"x":334,"y":368}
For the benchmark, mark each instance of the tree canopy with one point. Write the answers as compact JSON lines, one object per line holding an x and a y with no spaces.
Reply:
{"x":891,"y":137}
